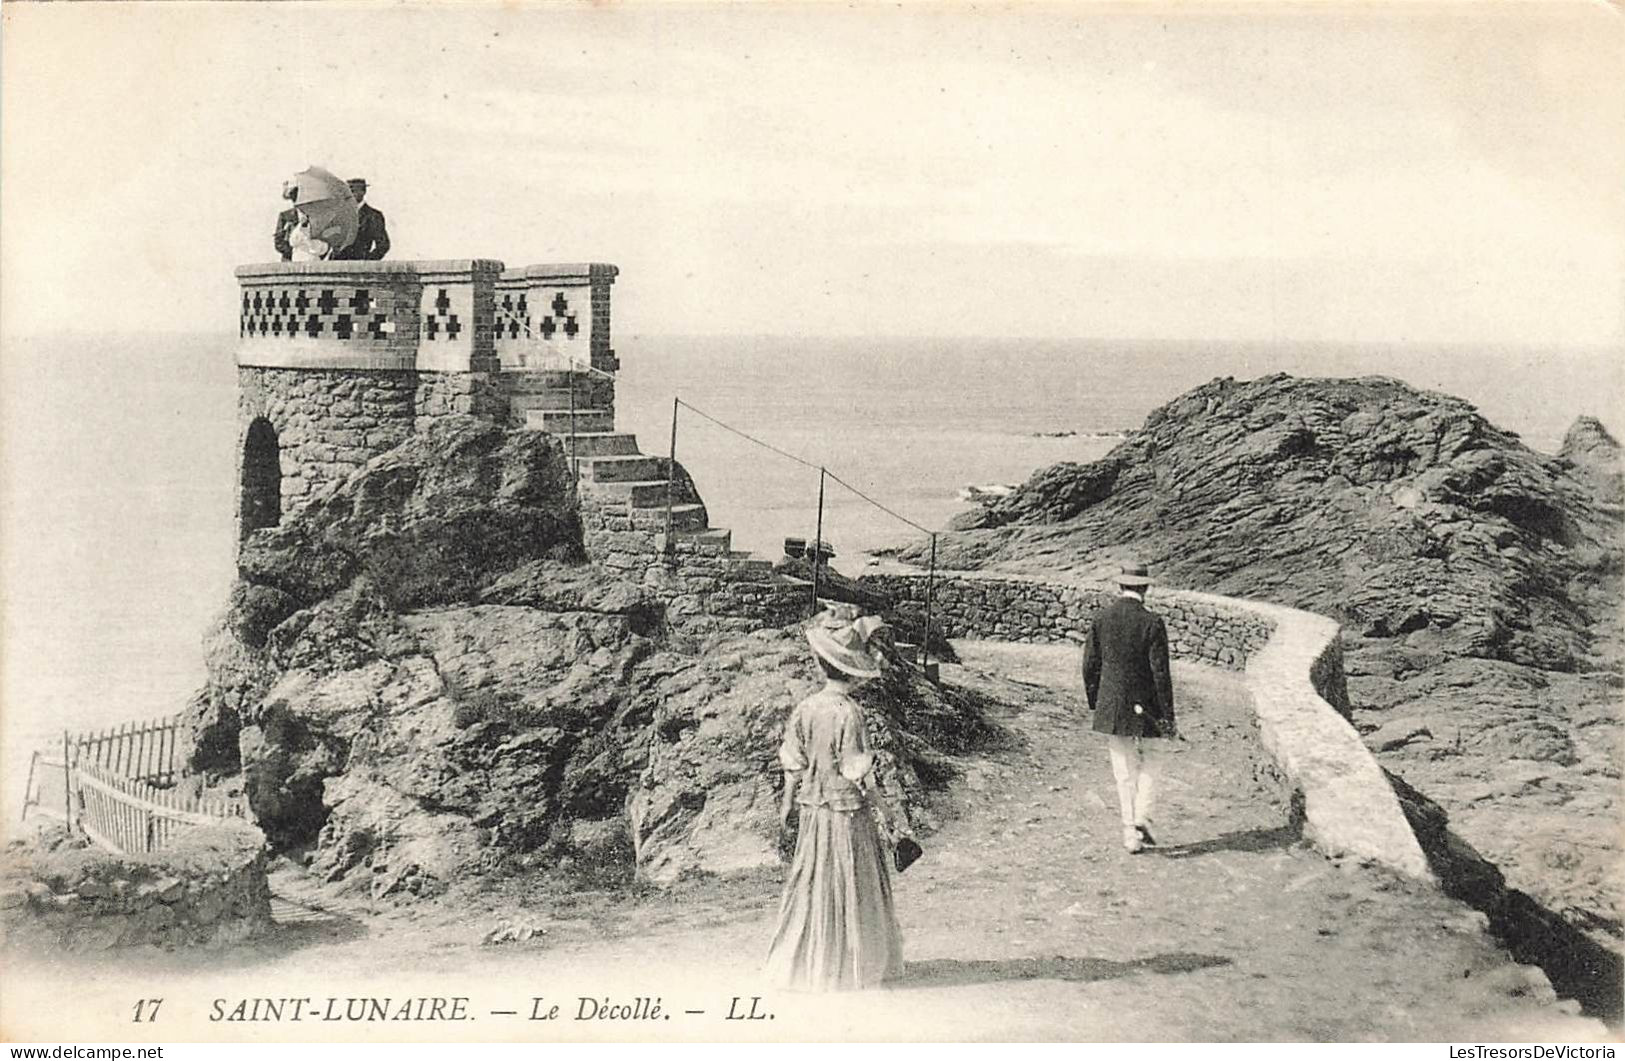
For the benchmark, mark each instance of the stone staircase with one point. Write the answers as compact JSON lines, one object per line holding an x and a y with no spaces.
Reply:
{"x":629,"y":489}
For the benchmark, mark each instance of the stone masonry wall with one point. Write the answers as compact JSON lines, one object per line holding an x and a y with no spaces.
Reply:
{"x":466,"y":393}
{"x":208,"y":889}
{"x":701,"y":582}
{"x":329,"y":423}
{"x":1201,"y":627}
{"x":546,"y":389}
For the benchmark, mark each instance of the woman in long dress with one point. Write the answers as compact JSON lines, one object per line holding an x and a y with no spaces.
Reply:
{"x":837,"y":927}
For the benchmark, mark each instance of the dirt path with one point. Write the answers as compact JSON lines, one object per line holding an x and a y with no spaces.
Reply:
{"x":1025,"y":920}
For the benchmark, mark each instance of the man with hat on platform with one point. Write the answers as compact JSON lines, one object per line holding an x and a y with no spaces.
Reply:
{"x":1125,"y":675}
{"x":286,"y":222}
{"x":371,"y":237}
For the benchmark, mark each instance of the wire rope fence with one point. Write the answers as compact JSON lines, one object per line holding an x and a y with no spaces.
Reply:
{"x":818,"y":550}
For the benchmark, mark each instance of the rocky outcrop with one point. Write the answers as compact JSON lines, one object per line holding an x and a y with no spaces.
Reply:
{"x":1479,"y":582}
{"x":1595,"y":457}
{"x":1391,"y":509}
{"x":420,"y":677}
{"x":1577,"y":965}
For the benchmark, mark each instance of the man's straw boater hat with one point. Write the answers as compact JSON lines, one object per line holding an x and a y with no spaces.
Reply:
{"x":842,"y":638}
{"x":1132,"y":573}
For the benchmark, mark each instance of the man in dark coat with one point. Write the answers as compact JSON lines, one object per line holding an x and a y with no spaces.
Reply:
{"x":286,"y":222}
{"x":371,"y":237}
{"x":1125,"y":675}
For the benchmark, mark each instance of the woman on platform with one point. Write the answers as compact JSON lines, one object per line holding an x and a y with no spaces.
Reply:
{"x":837,"y":928}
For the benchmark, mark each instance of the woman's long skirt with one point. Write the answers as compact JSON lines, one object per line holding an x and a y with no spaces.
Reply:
{"x":837,"y":926}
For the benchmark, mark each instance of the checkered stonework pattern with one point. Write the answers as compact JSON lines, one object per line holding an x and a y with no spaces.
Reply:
{"x":439,"y":319}
{"x":343,"y":313}
{"x":513,"y":316}
{"x":562,"y":318}
{"x":544,"y":325}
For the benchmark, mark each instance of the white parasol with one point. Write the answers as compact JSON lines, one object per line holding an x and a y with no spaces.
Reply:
{"x":328,"y":213}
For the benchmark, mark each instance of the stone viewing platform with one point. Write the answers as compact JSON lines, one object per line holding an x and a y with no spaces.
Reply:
{"x":340,"y":362}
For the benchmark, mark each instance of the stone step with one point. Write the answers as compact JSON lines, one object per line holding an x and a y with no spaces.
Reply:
{"x":602,"y":444}
{"x":557,"y":421}
{"x":549,"y":400}
{"x":621,"y":468}
{"x":713,"y":541}
{"x":748,"y":567}
{"x":536,"y":380}
{"x":689,"y":516}
{"x":644,"y":493}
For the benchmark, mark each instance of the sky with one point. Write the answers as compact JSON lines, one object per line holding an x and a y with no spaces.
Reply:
{"x":1403,"y":173}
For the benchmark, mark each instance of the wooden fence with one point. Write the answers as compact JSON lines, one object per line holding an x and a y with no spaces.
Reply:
{"x":103,"y":785}
{"x":140,"y":751}
{"x":128,"y":817}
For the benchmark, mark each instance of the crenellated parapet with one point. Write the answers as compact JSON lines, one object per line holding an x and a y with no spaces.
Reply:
{"x":469,"y":315}
{"x":554,"y":316}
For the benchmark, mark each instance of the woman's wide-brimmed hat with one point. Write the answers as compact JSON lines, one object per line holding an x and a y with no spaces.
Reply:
{"x":844,"y":639}
{"x":1132,"y":573}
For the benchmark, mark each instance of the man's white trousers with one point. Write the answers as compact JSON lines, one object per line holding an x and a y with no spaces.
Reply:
{"x":1136,"y":763}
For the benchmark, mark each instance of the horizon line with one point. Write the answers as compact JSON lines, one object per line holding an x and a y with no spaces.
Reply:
{"x":1608,"y":346}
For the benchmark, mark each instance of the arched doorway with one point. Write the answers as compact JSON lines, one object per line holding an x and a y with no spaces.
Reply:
{"x":261,"y":499}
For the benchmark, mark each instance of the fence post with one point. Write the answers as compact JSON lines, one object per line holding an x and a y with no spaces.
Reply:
{"x":147,"y":830}
{"x":930,"y":585}
{"x":818,"y":541}
{"x":28,"y":786}
{"x":575,"y":467}
{"x":67,"y":784}
{"x":671,"y":475}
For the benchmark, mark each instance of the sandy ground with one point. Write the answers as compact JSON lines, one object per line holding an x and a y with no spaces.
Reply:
{"x":1026,"y":920}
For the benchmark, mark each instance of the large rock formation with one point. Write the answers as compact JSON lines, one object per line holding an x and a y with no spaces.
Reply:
{"x":1392,"y":509}
{"x":419,"y":676}
{"x":1595,"y":455}
{"x":1478,"y":581}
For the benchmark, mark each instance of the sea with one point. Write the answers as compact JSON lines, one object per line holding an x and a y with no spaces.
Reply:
{"x":116,"y":525}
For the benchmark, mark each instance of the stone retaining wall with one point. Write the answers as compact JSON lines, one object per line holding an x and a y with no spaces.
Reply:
{"x":1293,"y":662}
{"x":207,"y":889}
{"x":1201,"y":627}
{"x":701,"y":581}
{"x":1298,"y":687}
